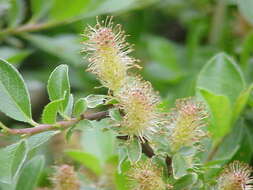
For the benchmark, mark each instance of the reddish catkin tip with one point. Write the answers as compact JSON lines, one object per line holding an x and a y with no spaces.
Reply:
{"x":236,"y":176}
{"x":108,"y":53}
{"x":139,"y":101}
{"x":65,"y":178}
{"x":186,"y":123}
{"x":147,"y":176}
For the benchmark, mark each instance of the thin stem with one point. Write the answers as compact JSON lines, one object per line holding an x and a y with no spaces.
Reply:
{"x":146,"y":148}
{"x":59,"y":125}
{"x":217,"y":22}
{"x":32,"y":27}
{"x":6,"y":129}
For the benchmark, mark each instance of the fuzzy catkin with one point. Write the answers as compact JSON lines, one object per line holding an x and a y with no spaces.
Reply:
{"x":186,"y":123}
{"x":236,"y":176}
{"x":65,"y":178}
{"x":147,"y":176}
{"x":108,"y":53}
{"x":139,"y":103}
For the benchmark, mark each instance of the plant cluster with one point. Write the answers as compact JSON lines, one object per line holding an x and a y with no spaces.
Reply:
{"x":158,"y":148}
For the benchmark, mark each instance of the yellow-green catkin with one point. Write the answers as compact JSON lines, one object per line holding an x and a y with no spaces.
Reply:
{"x":236,"y":176}
{"x":186,"y":123}
{"x":65,"y":178}
{"x":147,"y":176}
{"x":108,"y":53}
{"x":139,"y":104}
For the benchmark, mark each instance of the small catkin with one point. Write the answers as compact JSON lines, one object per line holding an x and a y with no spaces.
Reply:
{"x":236,"y":176}
{"x":139,"y":103}
{"x":108,"y":53}
{"x":147,"y":176}
{"x":65,"y":178}
{"x":186,"y":123}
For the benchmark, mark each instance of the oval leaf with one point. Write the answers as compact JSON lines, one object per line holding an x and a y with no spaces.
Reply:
{"x":12,"y":158}
{"x":221,"y":112}
{"x":241,"y":102}
{"x":115,"y":114}
{"x":37,"y":140}
{"x":95,"y":100}
{"x":80,"y":106}
{"x":30,"y":174}
{"x":14,"y":96}
{"x":58,"y":85}
{"x":50,"y":111}
{"x":179,"y":166}
{"x":222,"y":76}
{"x":134,"y":150}
{"x":88,"y":160}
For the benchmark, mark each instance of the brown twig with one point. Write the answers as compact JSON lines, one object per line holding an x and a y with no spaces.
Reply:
{"x":146,"y":148}
{"x":59,"y":125}
{"x":31,"y":27}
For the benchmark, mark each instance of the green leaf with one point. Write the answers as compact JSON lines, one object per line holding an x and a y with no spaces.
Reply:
{"x":80,"y":107}
{"x":65,"y":46}
{"x":88,"y":160}
{"x":231,"y":143}
{"x":221,"y":113}
{"x":97,"y":142}
{"x":58,"y":86}
{"x":59,"y":11}
{"x":241,"y":102}
{"x":40,"y":8}
{"x":69,"y":107}
{"x":13,"y":55}
{"x":247,"y":48}
{"x":187,"y":151}
{"x":50,"y":111}
{"x":134,"y":150}
{"x":30,"y":174}
{"x":108,"y":6}
{"x":221,"y":84}
{"x":95,"y":100}
{"x":12,"y":158}
{"x":221,"y":76}
{"x":246,"y":6}
{"x":14,"y":96}
{"x":186,"y":181}
{"x":115,"y":114}
{"x":39,"y":139}
{"x":16,"y":13}
{"x":122,"y":153}
{"x":163,"y":54}
{"x":179,"y":166}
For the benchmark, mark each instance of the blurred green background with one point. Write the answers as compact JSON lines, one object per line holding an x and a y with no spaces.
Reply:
{"x":172,"y":38}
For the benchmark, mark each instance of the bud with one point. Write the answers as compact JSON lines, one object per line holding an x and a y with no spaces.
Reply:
{"x":138,"y":101}
{"x":147,"y":176}
{"x":186,"y":123}
{"x":65,"y":178}
{"x":236,"y":176}
{"x":108,"y":53}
